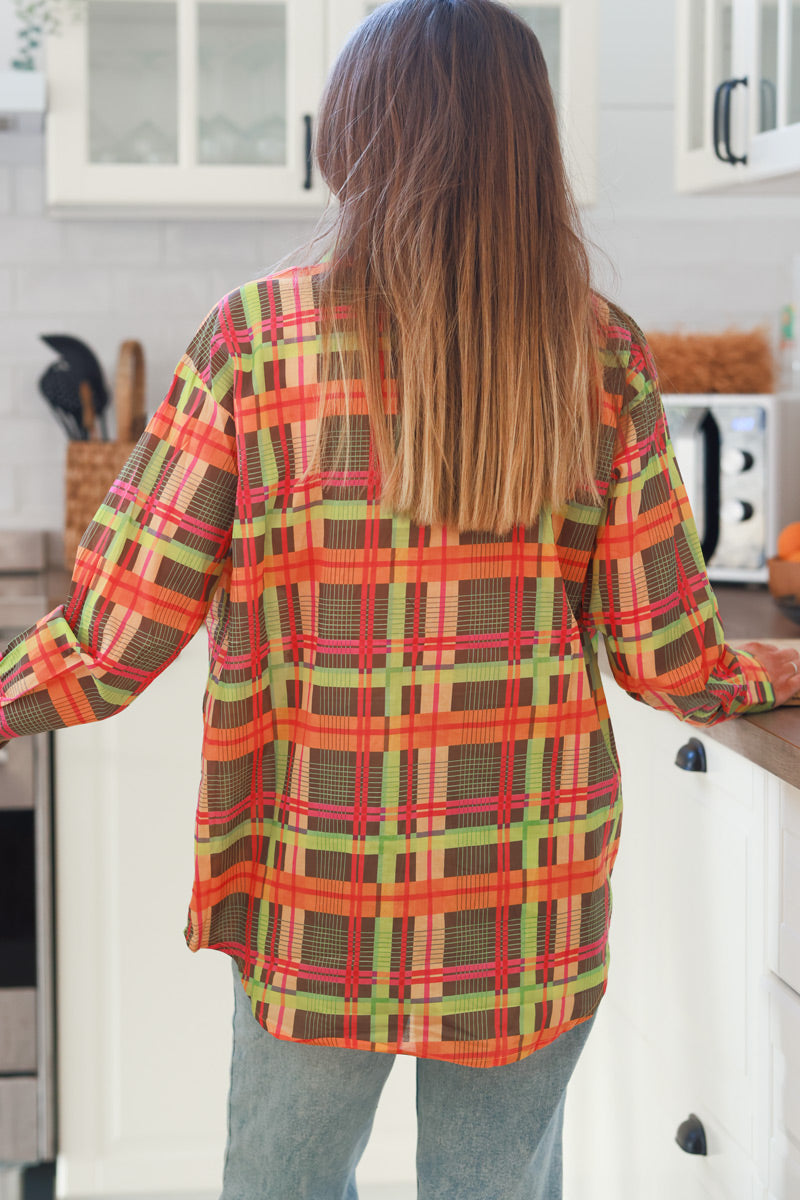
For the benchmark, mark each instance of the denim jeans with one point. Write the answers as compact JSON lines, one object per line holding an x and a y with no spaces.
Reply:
{"x":300,"y":1116}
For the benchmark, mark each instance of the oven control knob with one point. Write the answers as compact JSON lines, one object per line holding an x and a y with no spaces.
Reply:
{"x":737,"y":511}
{"x":736,"y":462}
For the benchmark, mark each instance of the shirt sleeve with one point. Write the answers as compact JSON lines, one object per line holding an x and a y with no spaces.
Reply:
{"x":147,"y":564}
{"x":647,"y":591}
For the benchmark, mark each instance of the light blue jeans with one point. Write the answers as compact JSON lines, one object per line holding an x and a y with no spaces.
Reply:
{"x":300,"y":1115}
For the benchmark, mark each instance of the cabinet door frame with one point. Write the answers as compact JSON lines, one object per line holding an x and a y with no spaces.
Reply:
{"x":578,"y":83}
{"x":699,"y":169}
{"x":74,"y":184}
{"x":776,"y":152}
{"x":769,"y":155}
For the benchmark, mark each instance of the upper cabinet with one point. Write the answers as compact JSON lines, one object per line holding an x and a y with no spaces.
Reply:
{"x":738,"y":93}
{"x":167,"y":106}
{"x":192,"y":104}
{"x":566,"y":30}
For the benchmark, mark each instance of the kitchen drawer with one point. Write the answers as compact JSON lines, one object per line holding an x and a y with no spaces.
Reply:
{"x":784,"y":1092}
{"x":18,"y":1120}
{"x":17,"y":1030}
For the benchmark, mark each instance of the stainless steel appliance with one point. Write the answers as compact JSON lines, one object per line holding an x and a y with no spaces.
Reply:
{"x":740,"y":460}
{"x":27,"y":991}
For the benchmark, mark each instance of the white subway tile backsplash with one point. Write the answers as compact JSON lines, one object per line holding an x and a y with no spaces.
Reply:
{"x":30,"y":240}
{"x":22,"y":146}
{"x":205,"y":243}
{"x":5,"y":290}
{"x":71,"y":289}
{"x":6,"y":183}
{"x":152,"y":292}
{"x":8,"y":496}
{"x":116,"y":242}
{"x":28,"y":190}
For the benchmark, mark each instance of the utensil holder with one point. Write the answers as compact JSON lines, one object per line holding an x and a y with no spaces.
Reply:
{"x":91,"y":469}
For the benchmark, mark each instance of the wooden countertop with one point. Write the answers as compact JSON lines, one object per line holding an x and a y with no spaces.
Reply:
{"x":771,"y":740}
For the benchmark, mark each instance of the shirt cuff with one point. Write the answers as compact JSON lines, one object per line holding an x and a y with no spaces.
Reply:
{"x":760,"y":694}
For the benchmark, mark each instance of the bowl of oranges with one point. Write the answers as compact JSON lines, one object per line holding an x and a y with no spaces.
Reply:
{"x":784,"y":570}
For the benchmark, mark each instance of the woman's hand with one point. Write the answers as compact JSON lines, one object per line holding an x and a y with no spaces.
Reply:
{"x":781,"y":664}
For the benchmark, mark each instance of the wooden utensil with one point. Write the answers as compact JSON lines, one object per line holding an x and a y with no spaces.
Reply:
{"x":87,"y":407}
{"x":129,"y":404}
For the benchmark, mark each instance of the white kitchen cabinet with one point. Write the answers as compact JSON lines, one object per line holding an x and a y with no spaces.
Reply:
{"x":567,"y":33}
{"x":196,"y":105}
{"x":782,"y":1042}
{"x":742,"y":58}
{"x":680,"y":1029}
{"x":144,"y":1026}
{"x":164,"y":106}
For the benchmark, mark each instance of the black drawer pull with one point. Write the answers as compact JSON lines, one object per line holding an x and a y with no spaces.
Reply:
{"x":691,"y":1137}
{"x":692,"y":756}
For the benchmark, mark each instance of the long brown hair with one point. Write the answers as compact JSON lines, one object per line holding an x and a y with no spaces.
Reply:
{"x":458,"y":268}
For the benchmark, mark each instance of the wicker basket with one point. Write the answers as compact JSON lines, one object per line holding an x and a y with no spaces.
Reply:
{"x":92,"y":467}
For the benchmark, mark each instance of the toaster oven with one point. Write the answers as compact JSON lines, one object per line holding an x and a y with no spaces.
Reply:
{"x":739,"y":456}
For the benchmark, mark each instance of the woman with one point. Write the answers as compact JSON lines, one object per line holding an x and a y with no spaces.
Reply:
{"x":408,"y":488}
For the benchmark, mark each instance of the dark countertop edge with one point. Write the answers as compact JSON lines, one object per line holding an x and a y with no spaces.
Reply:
{"x":770,"y":740}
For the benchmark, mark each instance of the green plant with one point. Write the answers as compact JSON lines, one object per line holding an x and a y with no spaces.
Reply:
{"x":36,"y":18}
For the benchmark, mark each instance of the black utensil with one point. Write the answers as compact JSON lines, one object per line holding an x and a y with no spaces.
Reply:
{"x":59,"y":387}
{"x":83,"y":362}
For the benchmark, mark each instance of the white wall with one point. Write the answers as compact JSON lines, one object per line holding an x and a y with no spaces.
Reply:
{"x":697,"y":262}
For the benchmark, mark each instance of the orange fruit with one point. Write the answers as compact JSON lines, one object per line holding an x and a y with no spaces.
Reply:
{"x":789,"y":541}
{"x":793,"y":557}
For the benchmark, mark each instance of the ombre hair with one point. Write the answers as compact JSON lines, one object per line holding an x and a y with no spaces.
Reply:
{"x":457,"y":268}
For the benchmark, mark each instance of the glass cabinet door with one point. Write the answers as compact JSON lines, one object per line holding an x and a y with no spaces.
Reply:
{"x":709,"y":62}
{"x":712,"y":46}
{"x":132,"y":81}
{"x":241,"y":83}
{"x":767,"y":96}
{"x":775,"y":125}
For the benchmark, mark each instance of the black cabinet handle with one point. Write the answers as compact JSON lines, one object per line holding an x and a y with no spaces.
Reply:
{"x":722,"y":121}
{"x":308,"y":121}
{"x":692,"y":756}
{"x":691,"y":1137}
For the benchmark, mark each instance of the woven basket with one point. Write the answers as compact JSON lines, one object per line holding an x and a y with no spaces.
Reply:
{"x":91,"y":469}
{"x":93,"y":466}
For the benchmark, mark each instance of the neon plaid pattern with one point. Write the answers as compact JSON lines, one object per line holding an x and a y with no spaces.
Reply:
{"x":410,"y":804}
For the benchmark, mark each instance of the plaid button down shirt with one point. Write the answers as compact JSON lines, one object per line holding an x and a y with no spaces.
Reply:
{"x":410,"y":805}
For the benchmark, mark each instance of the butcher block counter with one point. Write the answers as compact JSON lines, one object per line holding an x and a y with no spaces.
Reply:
{"x":770,"y":740}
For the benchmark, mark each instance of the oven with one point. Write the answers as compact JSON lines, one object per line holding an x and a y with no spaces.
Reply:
{"x":27,"y":975}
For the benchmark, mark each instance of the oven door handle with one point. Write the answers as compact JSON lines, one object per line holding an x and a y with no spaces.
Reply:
{"x":709,"y":430}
